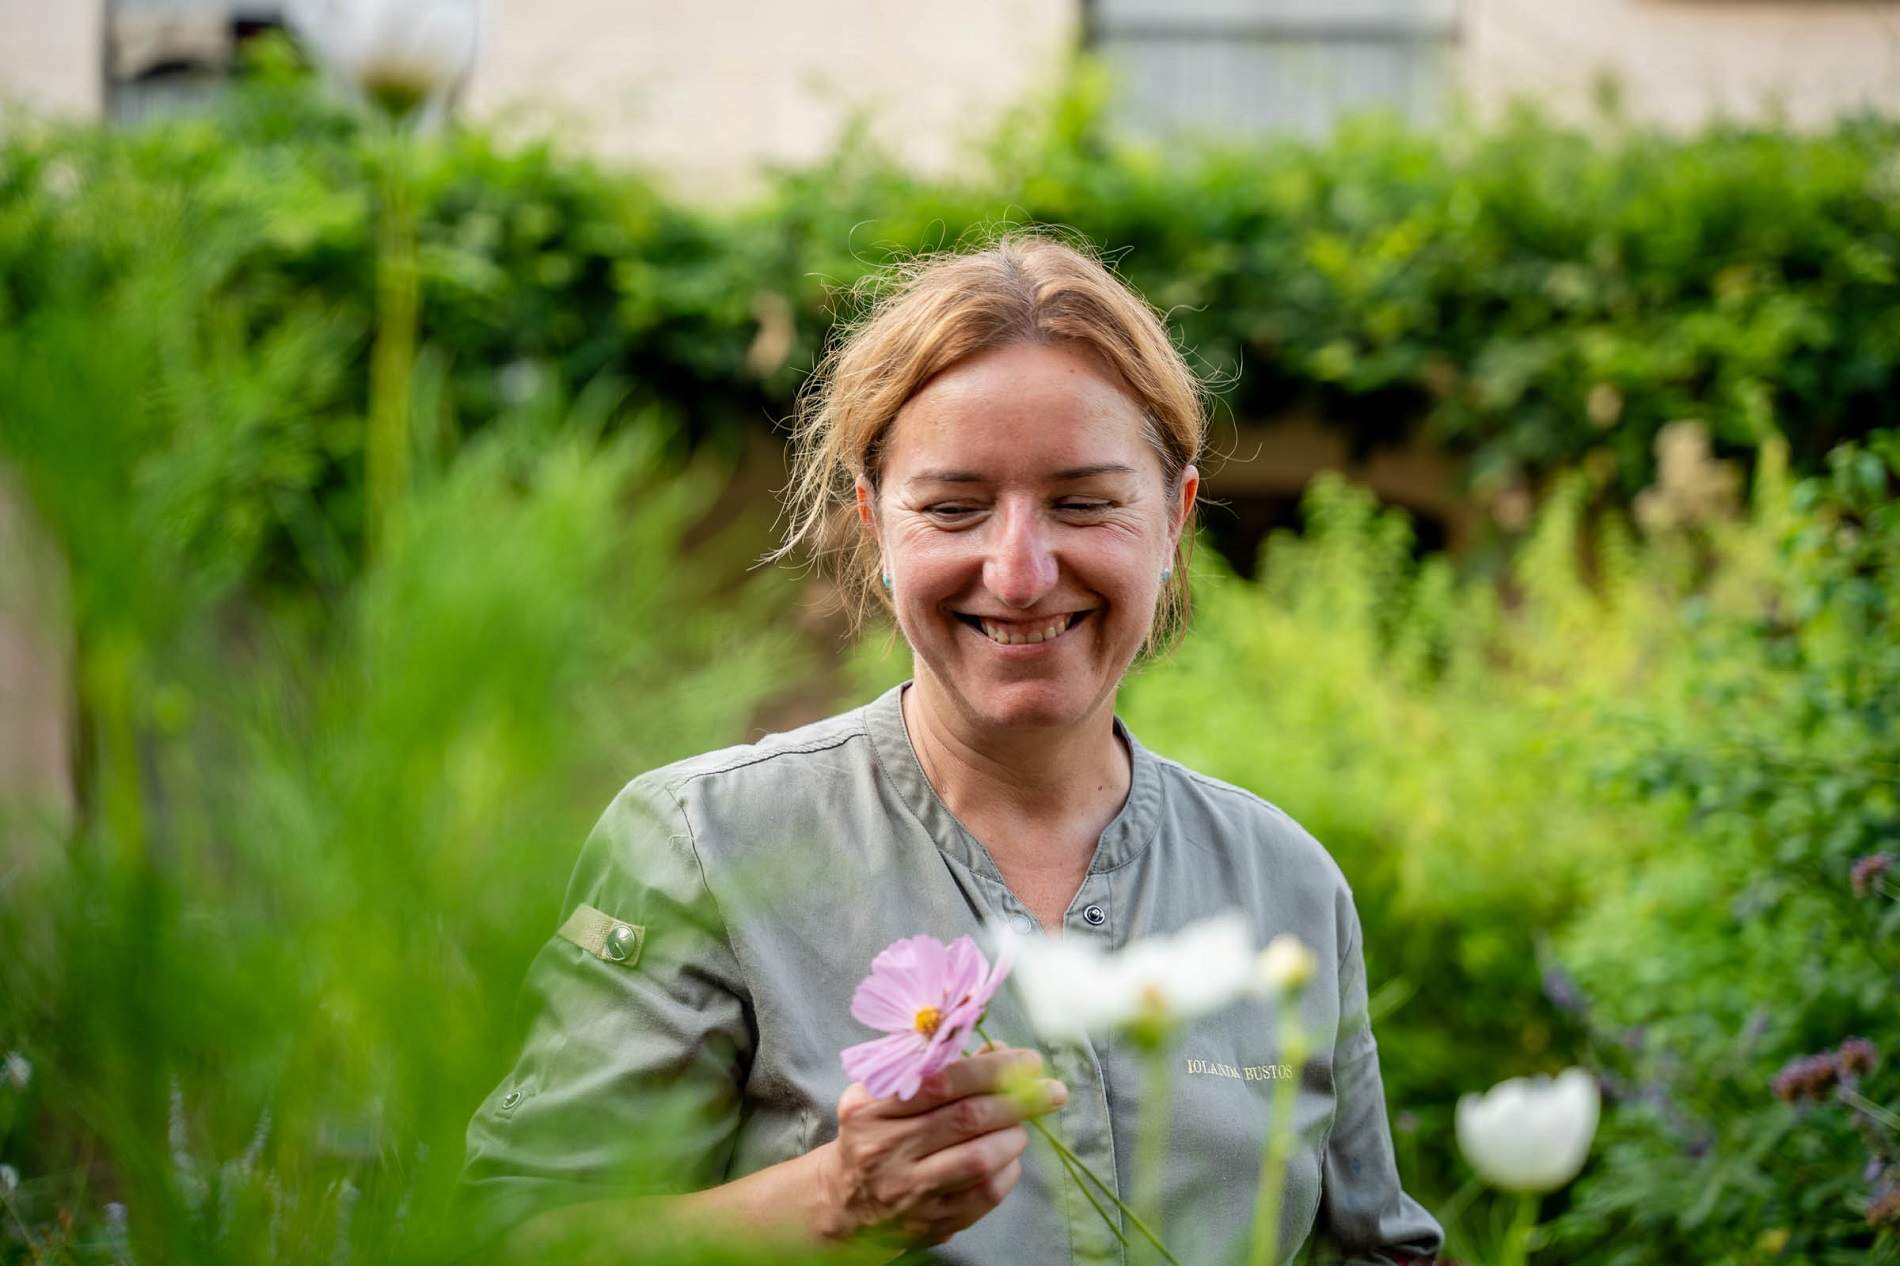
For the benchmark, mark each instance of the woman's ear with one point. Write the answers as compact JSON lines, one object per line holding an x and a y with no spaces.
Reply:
{"x":1188,"y":488}
{"x":867,"y":503}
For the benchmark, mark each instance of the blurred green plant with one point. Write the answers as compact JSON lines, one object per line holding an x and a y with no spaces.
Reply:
{"x":1741,"y":989}
{"x":1532,"y":297}
{"x":327,"y":806}
{"x":1633,"y":807}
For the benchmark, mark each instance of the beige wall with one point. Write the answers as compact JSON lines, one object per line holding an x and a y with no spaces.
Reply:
{"x":51,"y":54}
{"x":1684,"y":62}
{"x":704,"y":92}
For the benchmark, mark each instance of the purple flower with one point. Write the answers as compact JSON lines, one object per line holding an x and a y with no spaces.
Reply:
{"x":1868,"y":870}
{"x":1857,"y":1055}
{"x":927,"y":997}
{"x":1808,"y":1075}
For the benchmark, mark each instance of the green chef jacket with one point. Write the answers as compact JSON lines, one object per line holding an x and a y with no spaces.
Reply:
{"x":691,"y":1008}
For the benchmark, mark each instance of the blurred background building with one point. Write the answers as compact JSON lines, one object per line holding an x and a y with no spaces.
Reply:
{"x":705,"y":93}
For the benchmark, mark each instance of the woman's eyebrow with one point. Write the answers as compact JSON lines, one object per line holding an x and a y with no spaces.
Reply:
{"x":944,"y":477}
{"x":1060,"y":476}
{"x":1085,"y":472}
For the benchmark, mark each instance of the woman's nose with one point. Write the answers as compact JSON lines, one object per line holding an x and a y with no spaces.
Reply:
{"x":1021,"y":566}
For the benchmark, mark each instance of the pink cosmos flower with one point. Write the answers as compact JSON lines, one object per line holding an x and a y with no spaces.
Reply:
{"x":927,"y":997}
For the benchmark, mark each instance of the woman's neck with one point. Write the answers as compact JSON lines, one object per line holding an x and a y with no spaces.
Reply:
{"x":1020,"y":783}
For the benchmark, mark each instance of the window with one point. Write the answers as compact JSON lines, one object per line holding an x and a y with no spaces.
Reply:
{"x":1251,"y":66}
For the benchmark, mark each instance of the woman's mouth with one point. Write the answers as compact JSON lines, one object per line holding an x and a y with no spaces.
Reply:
{"x":1023,"y":632}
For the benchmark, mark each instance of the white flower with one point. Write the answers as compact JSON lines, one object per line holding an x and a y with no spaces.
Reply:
{"x":1064,"y":984}
{"x":1285,"y":964}
{"x":1530,"y":1134}
{"x":404,"y":55}
{"x":1071,"y":988}
{"x":16,"y":1069}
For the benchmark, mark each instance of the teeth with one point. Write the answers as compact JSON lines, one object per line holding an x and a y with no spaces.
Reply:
{"x":1017,"y":637}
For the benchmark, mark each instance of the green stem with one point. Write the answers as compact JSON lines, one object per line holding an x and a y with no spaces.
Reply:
{"x":1135,"y":1219}
{"x":1151,"y":1143}
{"x":1454,"y":1208}
{"x":1279,"y":1143}
{"x":1078,"y":1171}
{"x":1078,"y":1165}
{"x":393,"y":357}
{"x":1517,"y":1240}
{"x":1871,"y":1108}
{"x":111,"y":674}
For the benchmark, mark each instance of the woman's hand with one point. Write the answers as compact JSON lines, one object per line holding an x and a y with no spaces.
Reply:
{"x":922,"y":1170}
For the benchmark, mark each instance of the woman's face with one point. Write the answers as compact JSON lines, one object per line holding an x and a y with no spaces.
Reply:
{"x":1024,"y":521}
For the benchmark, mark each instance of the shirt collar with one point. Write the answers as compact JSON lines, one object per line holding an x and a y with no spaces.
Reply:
{"x":1122,"y":840}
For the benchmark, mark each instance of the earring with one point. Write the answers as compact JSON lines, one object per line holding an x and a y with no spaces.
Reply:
{"x":1167,"y":574}
{"x":887,"y":582}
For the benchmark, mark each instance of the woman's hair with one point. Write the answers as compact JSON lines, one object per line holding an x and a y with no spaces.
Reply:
{"x":931,"y":312}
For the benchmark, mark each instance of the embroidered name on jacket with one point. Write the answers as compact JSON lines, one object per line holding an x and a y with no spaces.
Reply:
{"x":1250,"y":1072}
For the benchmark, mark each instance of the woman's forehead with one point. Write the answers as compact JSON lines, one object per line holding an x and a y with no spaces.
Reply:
{"x":1028,"y":406}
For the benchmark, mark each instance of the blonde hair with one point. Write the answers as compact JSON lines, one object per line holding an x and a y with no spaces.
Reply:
{"x":931,"y":312}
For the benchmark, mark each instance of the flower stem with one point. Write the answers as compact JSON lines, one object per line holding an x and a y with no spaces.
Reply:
{"x":1151,"y":1143}
{"x":393,"y":355}
{"x":1517,"y":1240}
{"x":1062,"y":1150}
{"x":1279,"y":1144}
{"x":1077,"y":1165}
{"x":1872,"y":1109}
{"x":1078,"y":1171}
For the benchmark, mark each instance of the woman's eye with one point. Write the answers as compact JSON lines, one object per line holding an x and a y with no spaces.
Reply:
{"x":950,"y":511}
{"x":1089,"y":507}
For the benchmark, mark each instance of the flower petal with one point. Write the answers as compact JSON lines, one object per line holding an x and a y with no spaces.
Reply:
{"x":886,"y":1064}
{"x":886,"y":1002}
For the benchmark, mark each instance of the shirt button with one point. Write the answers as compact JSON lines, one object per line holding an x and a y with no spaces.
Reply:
{"x":1021,"y":923}
{"x":1095,"y":915}
{"x":619,"y":942}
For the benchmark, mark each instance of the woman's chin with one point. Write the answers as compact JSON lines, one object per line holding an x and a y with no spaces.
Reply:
{"x":1029,"y":705}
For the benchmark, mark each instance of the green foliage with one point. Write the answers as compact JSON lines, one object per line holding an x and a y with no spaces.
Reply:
{"x":1753,"y":943}
{"x":1529,"y":296}
{"x":275,"y":1008}
{"x":328,"y":809}
{"x":1610,"y":819}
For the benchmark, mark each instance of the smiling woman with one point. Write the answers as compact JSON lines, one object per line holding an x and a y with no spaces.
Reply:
{"x":1004,"y":454}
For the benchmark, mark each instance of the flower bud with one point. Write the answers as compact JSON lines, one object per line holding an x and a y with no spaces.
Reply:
{"x":1530,"y":1134}
{"x":404,"y":56}
{"x":1285,"y":965}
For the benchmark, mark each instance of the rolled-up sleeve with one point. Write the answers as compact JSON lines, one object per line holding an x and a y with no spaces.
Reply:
{"x":1366,"y":1217}
{"x":632,"y":1070}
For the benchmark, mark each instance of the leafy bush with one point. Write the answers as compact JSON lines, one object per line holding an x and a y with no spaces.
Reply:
{"x":1730,"y":981}
{"x":1630,"y":809}
{"x":323,"y":829}
{"x":1531,"y":297}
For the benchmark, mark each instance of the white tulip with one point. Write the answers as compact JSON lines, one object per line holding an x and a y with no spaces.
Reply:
{"x":404,"y":55}
{"x":1530,"y":1134}
{"x":1286,"y":964}
{"x":1071,"y":988}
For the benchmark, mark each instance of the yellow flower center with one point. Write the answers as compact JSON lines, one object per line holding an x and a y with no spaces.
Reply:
{"x":927,"y":1020}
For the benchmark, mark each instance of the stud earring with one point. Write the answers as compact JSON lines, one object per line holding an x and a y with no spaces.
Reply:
{"x":1167,"y":574}
{"x":887,"y":582}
